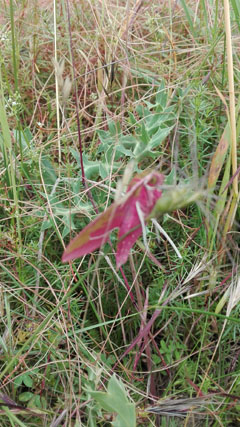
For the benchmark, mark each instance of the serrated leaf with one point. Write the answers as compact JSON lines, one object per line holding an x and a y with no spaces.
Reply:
{"x":128,"y":141}
{"x":159,"y":136}
{"x":120,"y":149}
{"x":91,"y":167}
{"x":141,"y":152}
{"x":155,"y":121}
{"x":146,"y":149}
{"x":105,"y":136}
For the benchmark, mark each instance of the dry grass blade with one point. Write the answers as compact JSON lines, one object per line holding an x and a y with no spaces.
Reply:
{"x":218,"y":158}
{"x":231,"y":93}
{"x":180,"y":407}
{"x":232,"y":295}
{"x":56,"y":422}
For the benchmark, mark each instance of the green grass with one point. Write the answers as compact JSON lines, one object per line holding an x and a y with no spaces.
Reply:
{"x":149,"y":84}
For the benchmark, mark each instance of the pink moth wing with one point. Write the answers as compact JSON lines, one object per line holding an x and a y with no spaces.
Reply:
{"x":95,"y":234}
{"x":121,"y":214}
{"x":146,"y":195}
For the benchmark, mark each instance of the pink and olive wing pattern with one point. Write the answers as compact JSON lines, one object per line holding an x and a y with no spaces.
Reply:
{"x":144,"y":189}
{"x":95,"y":234}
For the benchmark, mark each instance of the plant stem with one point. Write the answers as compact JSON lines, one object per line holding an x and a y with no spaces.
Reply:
{"x":231,"y":94}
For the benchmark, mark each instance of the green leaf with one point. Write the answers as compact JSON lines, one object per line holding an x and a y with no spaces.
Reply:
{"x":36,"y":402}
{"x":18,"y":381}
{"x":159,"y":136}
{"x":46,"y":224}
{"x":114,"y":127}
{"x":132,"y":119}
{"x":128,"y":141}
{"x":48,"y":172}
{"x":154,"y":122}
{"x":144,"y":137}
{"x":26,"y":396}
{"x":103,"y":171}
{"x":120,"y":149}
{"x":142,"y":111}
{"x":68,"y":225}
{"x":116,"y":400}
{"x":91,"y":168}
{"x":27,"y":380}
{"x":171,"y":177}
{"x":161,"y":95}
{"x":23,"y":138}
